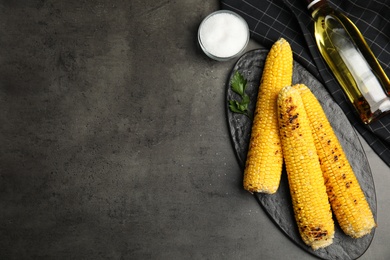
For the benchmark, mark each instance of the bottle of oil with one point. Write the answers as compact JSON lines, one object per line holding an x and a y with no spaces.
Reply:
{"x":351,"y":60}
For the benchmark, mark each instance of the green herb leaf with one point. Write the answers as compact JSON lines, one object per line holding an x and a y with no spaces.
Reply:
{"x":238,"y":85}
{"x":245,"y":100}
{"x":236,"y":107}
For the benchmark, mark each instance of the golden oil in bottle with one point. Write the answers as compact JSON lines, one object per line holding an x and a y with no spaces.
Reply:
{"x":351,"y":60}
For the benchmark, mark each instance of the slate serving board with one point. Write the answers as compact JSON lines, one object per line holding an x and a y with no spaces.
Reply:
{"x":278,"y":206}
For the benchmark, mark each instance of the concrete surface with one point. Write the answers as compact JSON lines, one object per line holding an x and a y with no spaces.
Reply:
{"x":114,"y":141}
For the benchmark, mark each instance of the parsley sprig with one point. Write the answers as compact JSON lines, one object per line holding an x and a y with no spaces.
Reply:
{"x":238,"y":84}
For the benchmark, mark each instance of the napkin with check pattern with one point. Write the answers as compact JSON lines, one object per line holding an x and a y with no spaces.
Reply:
{"x":269,"y":20}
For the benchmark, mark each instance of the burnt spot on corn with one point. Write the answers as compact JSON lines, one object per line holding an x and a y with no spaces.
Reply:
{"x":303,"y":228}
{"x":326,"y":179}
{"x":335,"y":158}
{"x":348,"y":184}
{"x":293,"y":118}
{"x":329,"y":142}
{"x":317,"y":233}
{"x":332,"y":197}
{"x":290,"y":108}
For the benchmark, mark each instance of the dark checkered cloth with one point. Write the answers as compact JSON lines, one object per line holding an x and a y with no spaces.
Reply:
{"x":290,"y":19}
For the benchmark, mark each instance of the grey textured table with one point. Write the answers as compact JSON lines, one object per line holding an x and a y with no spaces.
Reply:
{"x":114,"y":140}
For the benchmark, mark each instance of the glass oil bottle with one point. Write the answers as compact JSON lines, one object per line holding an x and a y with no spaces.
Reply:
{"x":351,"y":60}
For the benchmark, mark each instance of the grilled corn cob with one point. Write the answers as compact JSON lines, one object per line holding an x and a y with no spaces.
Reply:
{"x":263,"y":167}
{"x":310,"y":201}
{"x":345,"y":194}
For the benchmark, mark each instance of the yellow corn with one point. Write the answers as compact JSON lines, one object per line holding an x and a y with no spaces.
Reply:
{"x":264,"y":162}
{"x":308,"y":192}
{"x":345,"y":194}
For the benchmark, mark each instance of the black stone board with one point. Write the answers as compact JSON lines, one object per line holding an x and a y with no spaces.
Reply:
{"x":278,"y":206}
